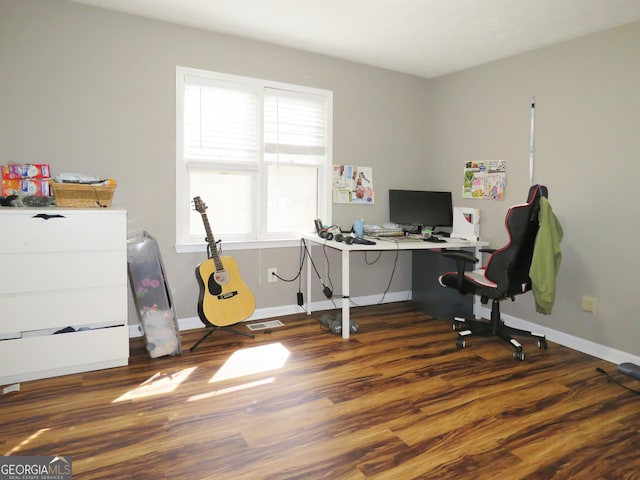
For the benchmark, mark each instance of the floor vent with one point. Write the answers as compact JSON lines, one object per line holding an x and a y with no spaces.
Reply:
{"x":263,"y":325}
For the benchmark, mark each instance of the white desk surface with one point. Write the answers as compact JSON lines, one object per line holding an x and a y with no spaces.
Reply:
{"x":391,"y":243}
{"x":382,"y":244}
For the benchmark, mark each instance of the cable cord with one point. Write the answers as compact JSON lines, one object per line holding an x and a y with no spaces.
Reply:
{"x":298,"y":275}
{"x":600,"y":370}
{"x":308,"y":253}
{"x":303,"y":256}
{"x":324,"y":250}
{"x":366,"y":261}
{"x":393,"y":271}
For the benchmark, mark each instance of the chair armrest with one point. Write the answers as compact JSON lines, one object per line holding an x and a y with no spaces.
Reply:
{"x":461,"y":258}
{"x":461,"y":255}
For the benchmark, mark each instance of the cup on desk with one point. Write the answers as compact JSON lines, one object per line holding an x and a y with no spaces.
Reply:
{"x":358,"y":227}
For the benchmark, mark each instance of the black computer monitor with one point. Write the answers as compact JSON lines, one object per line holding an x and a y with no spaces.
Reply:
{"x":421,"y":208}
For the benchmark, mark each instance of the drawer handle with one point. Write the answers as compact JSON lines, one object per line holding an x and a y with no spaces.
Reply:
{"x":46,"y":216}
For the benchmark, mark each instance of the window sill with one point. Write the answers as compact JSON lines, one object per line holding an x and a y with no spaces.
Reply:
{"x":240,"y":245}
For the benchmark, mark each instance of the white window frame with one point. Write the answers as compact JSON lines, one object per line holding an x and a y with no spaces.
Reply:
{"x":184,"y":242}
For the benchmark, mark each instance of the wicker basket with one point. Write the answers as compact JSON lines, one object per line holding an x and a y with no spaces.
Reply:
{"x":82,"y":195}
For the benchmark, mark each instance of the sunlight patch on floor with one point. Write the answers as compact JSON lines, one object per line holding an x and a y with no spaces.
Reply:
{"x":26,"y":442}
{"x":250,"y":361}
{"x":237,"y":388}
{"x":158,"y":384}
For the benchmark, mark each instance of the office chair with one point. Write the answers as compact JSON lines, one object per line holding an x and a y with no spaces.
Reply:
{"x":505,"y":275}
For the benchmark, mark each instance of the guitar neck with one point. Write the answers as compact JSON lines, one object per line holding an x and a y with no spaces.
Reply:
{"x":212,"y":243}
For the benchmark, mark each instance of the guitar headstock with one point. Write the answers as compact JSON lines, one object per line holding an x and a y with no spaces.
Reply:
{"x":199,"y":205}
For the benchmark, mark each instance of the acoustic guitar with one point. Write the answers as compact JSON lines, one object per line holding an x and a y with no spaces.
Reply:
{"x":224,"y":297}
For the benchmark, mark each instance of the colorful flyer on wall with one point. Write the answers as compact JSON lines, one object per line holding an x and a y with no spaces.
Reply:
{"x":485,"y":179}
{"x":352,"y":184}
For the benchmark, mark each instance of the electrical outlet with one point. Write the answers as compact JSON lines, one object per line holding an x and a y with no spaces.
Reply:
{"x":589,"y":304}
{"x":271,"y":274}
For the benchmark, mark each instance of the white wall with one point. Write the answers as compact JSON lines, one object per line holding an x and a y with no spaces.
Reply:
{"x":587,"y":142}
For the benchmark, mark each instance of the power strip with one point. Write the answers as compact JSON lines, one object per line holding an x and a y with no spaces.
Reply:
{"x":630,"y":369}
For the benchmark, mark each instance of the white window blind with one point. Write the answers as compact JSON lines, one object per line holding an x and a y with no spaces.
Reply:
{"x":258,"y":153}
{"x":294,"y":125}
{"x":219,"y":122}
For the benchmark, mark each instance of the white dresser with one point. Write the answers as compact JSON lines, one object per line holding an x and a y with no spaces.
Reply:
{"x":60,"y":268}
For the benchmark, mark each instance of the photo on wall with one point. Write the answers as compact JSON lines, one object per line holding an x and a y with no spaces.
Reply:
{"x":485,"y":179}
{"x":352,"y":184}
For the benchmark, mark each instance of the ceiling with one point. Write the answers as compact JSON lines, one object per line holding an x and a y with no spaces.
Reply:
{"x":427,"y":38}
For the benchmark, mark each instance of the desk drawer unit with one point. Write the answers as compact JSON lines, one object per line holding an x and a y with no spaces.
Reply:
{"x":62,"y":268}
{"x":431,"y":297}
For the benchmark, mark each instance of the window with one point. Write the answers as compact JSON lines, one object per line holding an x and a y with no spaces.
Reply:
{"x":258,"y":154}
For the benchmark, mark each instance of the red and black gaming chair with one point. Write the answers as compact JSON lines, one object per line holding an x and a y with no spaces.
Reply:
{"x":505,"y":275}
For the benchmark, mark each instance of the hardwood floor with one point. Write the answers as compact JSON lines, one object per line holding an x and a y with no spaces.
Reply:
{"x":398,"y":401}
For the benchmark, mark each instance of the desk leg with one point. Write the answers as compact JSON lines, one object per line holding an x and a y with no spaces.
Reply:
{"x":307,"y":303}
{"x":346,"y":323}
{"x":477,"y":304}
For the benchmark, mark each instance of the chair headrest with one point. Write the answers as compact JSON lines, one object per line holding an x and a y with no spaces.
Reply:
{"x":537,"y":191}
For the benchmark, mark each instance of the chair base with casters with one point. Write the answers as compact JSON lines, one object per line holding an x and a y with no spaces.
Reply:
{"x":505,"y":276}
{"x":496,"y":328}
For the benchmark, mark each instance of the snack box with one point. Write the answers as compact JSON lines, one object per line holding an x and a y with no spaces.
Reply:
{"x":28,"y":170}
{"x":30,"y":186}
{"x":34,"y":186}
{"x":9,"y":187}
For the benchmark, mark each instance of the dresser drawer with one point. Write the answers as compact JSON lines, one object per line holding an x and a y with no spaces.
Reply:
{"x":45,"y":356}
{"x":58,"y":309}
{"x":50,"y":271}
{"x":60,"y":230}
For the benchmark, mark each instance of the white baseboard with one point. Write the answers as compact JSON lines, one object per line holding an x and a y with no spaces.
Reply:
{"x":576,"y":343}
{"x":271,"y":312}
{"x":191,"y":323}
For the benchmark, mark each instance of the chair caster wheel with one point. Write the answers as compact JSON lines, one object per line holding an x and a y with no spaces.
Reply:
{"x":542,"y":344}
{"x":458,"y":324}
{"x":518,"y":356}
{"x":460,"y":343}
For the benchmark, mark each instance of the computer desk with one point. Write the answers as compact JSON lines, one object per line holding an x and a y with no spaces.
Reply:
{"x":386,"y":244}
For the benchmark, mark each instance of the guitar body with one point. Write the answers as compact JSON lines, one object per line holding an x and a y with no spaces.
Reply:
{"x":224,"y":297}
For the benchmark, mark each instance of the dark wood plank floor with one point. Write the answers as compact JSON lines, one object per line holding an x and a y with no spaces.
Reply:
{"x":398,"y":401}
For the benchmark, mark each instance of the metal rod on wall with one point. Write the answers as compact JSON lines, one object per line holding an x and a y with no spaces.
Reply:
{"x":532,"y":143}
